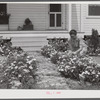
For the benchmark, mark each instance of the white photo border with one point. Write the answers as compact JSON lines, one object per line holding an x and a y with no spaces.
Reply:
{"x":40,"y":94}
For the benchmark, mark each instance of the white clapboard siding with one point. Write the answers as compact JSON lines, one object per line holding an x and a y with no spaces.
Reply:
{"x":29,"y":43}
{"x":4,"y":27}
{"x":76,"y":16}
{"x":89,"y":23}
{"x":36,"y":12}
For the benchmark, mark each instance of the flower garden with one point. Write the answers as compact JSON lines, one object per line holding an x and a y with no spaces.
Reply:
{"x":16,"y":66}
{"x":54,"y":67}
{"x":80,"y":68}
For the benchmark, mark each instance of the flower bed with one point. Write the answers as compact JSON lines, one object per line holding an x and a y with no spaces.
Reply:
{"x":72,"y":66}
{"x":18,"y":68}
{"x":80,"y":68}
{"x":59,"y":44}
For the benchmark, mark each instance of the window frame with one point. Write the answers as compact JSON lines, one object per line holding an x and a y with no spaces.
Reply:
{"x":55,"y":13}
{"x":90,"y":16}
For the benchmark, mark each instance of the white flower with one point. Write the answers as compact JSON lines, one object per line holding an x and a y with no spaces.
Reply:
{"x":93,"y":72}
{"x":97,"y":76}
{"x":19,"y":75}
{"x":5,"y":74}
{"x":15,"y":83}
{"x":11,"y":67}
{"x":74,"y":58}
{"x":34,"y":59}
{"x":67,"y":66}
{"x":62,"y":62}
{"x":86,"y":72}
{"x":98,"y":65}
{"x":25,"y":70}
{"x":1,"y":81}
{"x":12,"y":64}
{"x":28,"y":57}
{"x":16,"y":67}
{"x":61,"y":69}
{"x":30,"y":67}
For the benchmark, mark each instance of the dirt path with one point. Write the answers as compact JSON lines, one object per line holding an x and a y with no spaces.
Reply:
{"x":47,"y":75}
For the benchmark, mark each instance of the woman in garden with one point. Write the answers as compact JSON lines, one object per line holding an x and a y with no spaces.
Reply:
{"x":77,"y":46}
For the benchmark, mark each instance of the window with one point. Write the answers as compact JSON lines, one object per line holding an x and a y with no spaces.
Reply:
{"x":55,"y":7}
{"x":3,"y":14}
{"x":55,"y":16}
{"x":94,"y":10}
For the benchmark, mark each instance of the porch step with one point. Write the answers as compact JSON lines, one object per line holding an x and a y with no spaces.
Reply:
{"x":30,"y":44}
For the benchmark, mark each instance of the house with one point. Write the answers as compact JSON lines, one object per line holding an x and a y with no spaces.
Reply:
{"x":49,"y":20}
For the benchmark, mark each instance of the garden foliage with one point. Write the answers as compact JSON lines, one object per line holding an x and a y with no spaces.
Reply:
{"x":70,"y":65}
{"x":18,"y":68}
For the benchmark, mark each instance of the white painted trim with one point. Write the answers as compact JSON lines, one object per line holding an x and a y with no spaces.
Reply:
{"x":8,"y":8}
{"x":63,"y":16}
{"x":33,"y":32}
{"x":62,"y":20}
{"x":48,"y":34}
{"x":9,"y":17}
{"x":81,"y":18}
{"x":70,"y":17}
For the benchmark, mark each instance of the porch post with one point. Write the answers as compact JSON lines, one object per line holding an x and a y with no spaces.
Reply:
{"x":70,"y":17}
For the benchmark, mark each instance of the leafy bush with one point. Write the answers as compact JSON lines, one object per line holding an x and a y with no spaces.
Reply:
{"x":59,"y":44}
{"x":93,"y":43}
{"x":47,"y":51}
{"x":81,"y":68}
{"x":74,"y":66}
{"x":54,"y":46}
{"x":18,"y":68}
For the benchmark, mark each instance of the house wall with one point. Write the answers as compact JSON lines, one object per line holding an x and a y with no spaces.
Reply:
{"x":76,"y":17}
{"x":19,"y":12}
{"x":89,"y":22}
{"x":38,"y":14}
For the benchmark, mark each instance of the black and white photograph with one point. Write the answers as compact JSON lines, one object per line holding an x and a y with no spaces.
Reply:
{"x":50,"y":46}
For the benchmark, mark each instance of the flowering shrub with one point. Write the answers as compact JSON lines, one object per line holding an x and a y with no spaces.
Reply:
{"x":59,"y":44}
{"x":55,"y":57}
{"x":73,"y":66}
{"x":91,"y":49}
{"x":81,"y":68}
{"x":18,"y":68}
{"x":47,"y":51}
{"x":5,"y":46}
{"x":54,"y":46}
{"x":91,"y":74}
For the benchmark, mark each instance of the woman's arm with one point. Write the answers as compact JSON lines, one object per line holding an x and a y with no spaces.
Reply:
{"x":83,"y":47}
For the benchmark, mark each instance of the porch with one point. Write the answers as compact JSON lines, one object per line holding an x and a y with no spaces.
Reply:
{"x":33,"y":40}
{"x":48,"y":34}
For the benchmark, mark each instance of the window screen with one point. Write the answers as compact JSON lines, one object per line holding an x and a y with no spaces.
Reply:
{"x":94,"y":10}
{"x":55,"y":7}
{"x":3,"y":14}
